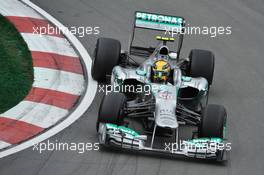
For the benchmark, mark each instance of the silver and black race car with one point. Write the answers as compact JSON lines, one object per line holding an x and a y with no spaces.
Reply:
{"x":160,"y":96}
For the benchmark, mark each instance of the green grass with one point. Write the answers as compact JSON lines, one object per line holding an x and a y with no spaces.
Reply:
{"x":16,"y":70}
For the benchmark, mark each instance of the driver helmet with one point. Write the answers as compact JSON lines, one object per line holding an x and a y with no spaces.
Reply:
{"x":160,"y":71}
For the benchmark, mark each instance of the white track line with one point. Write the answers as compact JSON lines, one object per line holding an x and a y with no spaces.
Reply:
{"x":38,"y":114}
{"x":12,"y":8}
{"x":46,"y":43}
{"x":86,"y":99}
{"x":58,"y":80}
{"x":4,"y":144}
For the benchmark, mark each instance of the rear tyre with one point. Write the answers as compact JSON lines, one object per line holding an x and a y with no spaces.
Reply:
{"x":202,"y":64}
{"x":106,"y":56}
{"x":112,"y":109}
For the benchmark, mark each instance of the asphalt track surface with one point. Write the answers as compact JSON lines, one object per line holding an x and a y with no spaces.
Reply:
{"x":238,"y":85}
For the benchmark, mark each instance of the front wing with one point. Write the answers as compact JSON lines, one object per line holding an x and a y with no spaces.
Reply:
{"x":126,"y":138}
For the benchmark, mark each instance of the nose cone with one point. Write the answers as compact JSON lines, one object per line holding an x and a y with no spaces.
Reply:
{"x":167,"y":122}
{"x":165,"y":115}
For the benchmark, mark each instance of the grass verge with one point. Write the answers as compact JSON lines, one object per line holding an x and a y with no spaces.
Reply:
{"x":16,"y":70}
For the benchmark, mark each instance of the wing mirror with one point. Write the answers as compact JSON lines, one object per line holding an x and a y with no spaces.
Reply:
{"x":173,"y":55}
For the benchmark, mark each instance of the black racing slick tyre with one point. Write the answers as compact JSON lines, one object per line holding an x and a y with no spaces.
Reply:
{"x":106,"y":56}
{"x":202,"y":64}
{"x":111,"y":109}
{"x":213,"y":122}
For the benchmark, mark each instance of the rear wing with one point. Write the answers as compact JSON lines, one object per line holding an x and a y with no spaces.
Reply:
{"x":159,"y":22}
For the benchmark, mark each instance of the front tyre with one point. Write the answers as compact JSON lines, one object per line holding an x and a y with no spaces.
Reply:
{"x":112,"y":109}
{"x":213,"y":123}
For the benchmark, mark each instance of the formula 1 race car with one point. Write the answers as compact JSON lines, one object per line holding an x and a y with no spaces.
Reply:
{"x":176,"y":100}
